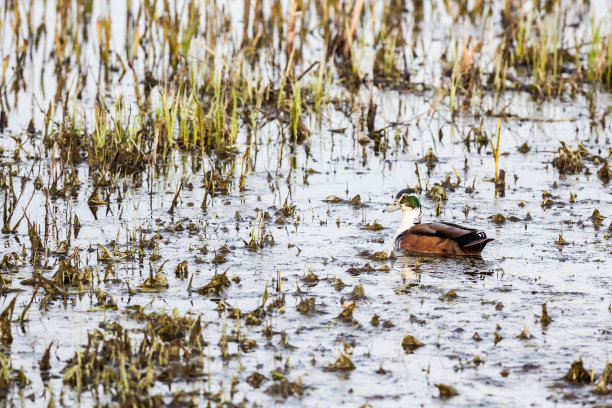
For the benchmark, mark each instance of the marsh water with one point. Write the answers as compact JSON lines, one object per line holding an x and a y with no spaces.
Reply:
{"x":317,"y":255}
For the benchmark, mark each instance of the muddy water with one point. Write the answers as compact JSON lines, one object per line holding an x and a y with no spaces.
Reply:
{"x":502,"y":292}
{"x":519,"y":271}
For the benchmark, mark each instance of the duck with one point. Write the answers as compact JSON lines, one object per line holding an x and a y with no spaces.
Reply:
{"x":436,"y":238}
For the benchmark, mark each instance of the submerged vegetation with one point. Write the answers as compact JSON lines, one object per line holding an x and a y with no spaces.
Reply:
{"x":249,"y":146}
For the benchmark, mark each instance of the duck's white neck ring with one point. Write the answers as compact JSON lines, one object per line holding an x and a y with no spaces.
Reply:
{"x":410,"y":217}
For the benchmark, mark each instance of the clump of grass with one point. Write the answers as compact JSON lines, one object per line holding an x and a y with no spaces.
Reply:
{"x":540,"y":43}
{"x":113,"y":360}
{"x":259,"y":237}
{"x":569,"y":161}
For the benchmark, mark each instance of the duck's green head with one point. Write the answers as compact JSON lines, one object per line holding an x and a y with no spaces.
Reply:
{"x":406,"y":200}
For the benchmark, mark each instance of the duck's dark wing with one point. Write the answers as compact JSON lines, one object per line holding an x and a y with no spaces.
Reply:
{"x":468,"y":239}
{"x":442,"y":230}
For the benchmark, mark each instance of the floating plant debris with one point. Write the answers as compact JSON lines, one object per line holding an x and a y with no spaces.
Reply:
{"x":285,"y":388}
{"x":379,"y":256}
{"x":182,"y":270}
{"x":410,"y":344}
{"x":604,"y":172}
{"x":596,"y":217}
{"x":219,"y":259}
{"x":216,"y":284}
{"x":255,"y":379}
{"x":70,"y":274}
{"x":311,"y":279}
{"x":159,"y":280}
{"x":577,"y":374}
{"x":429,"y":157}
{"x":307,"y":306}
{"x":547,"y":203}
{"x":525,"y":334}
{"x":388,"y":324}
{"x":524,"y":148}
{"x":357,"y":292}
{"x":333,"y":199}
{"x":347,"y":314}
{"x":356,"y":201}
{"x":498,"y":219}
{"x":367,"y":268}
{"x":373,"y":227}
{"x":450,"y":295}
{"x":6,"y":335}
{"x":545,"y":319}
{"x":604,"y":383}
{"x":343,"y":363}
{"x":570,"y":161}
{"x":446,"y":391}
{"x":339,"y":285}
{"x":437,"y":193}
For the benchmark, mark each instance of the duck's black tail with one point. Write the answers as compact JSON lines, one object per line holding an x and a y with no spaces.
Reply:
{"x":474,"y":243}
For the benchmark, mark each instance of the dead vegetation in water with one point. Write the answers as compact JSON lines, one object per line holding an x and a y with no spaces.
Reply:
{"x":343,"y":363}
{"x":570,"y":161}
{"x":574,"y":161}
{"x":69,"y":273}
{"x":604,"y":383}
{"x":215,"y":286}
{"x":374,"y":226}
{"x":410,"y":344}
{"x":545,"y":318}
{"x":446,"y":391}
{"x":346,"y":315}
{"x":378,"y":256}
{"x":577,"y":374}
{"x":111,"y":358}
{"x":157,"y":280}
{"x":284,"y":388}
{"x":11,"y":378}
{"x":307,"y":307}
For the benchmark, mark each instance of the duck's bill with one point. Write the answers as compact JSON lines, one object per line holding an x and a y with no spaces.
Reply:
{"x":391,"y":208}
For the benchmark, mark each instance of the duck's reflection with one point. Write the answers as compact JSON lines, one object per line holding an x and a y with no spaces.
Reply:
{"x":410,"y":272}
{"x":471,"y":268}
